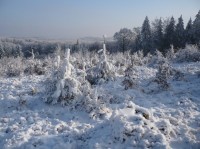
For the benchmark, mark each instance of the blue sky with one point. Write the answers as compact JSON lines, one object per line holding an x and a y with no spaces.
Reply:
{"x":71,"y":19}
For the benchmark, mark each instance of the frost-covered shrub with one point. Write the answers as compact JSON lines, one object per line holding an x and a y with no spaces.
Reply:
{"x":57,"y":58}
{"x":17,"y":66}
{"x":156,"y":59}
{"x":138,"y":58}
{"x":189,"y":54}
{"x":118,"y":59}
{"x":34,"y":66}
{"x":64,"y":87}
{"x":95,"y":106}
{"x":128,"y":83}
{"x":163,"y":74}
{"x":104,"y":70}
{"x":68,"y":86}
{"x":170,"y":55}
{"x":121,"y":61}
{"x":90,"y":58}
{"x":127,"y":58}
{"x":130,"y":78}
{"x":131,"y":71}
{"x":94,"y":61}
{"x":13,"y":67}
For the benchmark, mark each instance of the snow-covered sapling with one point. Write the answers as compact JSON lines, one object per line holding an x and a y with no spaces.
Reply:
{"x":137,"y":58}
{"x":189,"y":54}
{"x":157,"y":59}
{"x":130,"y":78}
{"x":66,"y":87}
{"x":57,"y":57}
{"x":103,"y":71}
{"x":162,"y":75}
{"x":170,"y":54}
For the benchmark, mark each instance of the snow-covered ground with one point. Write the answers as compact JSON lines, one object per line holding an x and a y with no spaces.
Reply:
{"x":134,"y":118}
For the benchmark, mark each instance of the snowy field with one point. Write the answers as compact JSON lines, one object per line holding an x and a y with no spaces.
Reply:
{"x":137,"y":117}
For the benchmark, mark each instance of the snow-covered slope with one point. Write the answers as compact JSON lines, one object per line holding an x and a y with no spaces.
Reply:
{"x":139,"y":117}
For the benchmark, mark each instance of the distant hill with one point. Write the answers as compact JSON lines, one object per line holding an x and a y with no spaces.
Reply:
{"x":94,"y":39}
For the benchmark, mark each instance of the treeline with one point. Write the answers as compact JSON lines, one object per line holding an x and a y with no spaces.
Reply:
{"x":160,"y":35}
{"x":23,"y":47}
{"x":12,"y":47}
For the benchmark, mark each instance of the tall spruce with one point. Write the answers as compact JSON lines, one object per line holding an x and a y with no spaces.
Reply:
{"x":196,"y":29}
{"x":169,"y":35}
{"x":157,"y":35}
{"x":179,"y":34}
{"x":146,"y":36}
{"x":189,"y":33}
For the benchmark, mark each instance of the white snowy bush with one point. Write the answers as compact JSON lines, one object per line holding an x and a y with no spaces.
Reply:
{"x":71,"y":88}
{"x":118,"y":59}
{"x":34,"y":66}
{"x":12,"y":67}
{"x":138,"y":58}
{"x":95,"y":106}
{"x":156,"y":59}
{"x":130,"y":80}
{"x":191,"y":53}
{"x":104,"y":70}
{"x":64,"y":88}
{"x":163,"y":74}
{"x":57,"y":58}
{"x":170,"y":55}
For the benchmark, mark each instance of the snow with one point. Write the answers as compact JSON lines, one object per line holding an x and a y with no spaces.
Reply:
{"x":134,"y":118}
